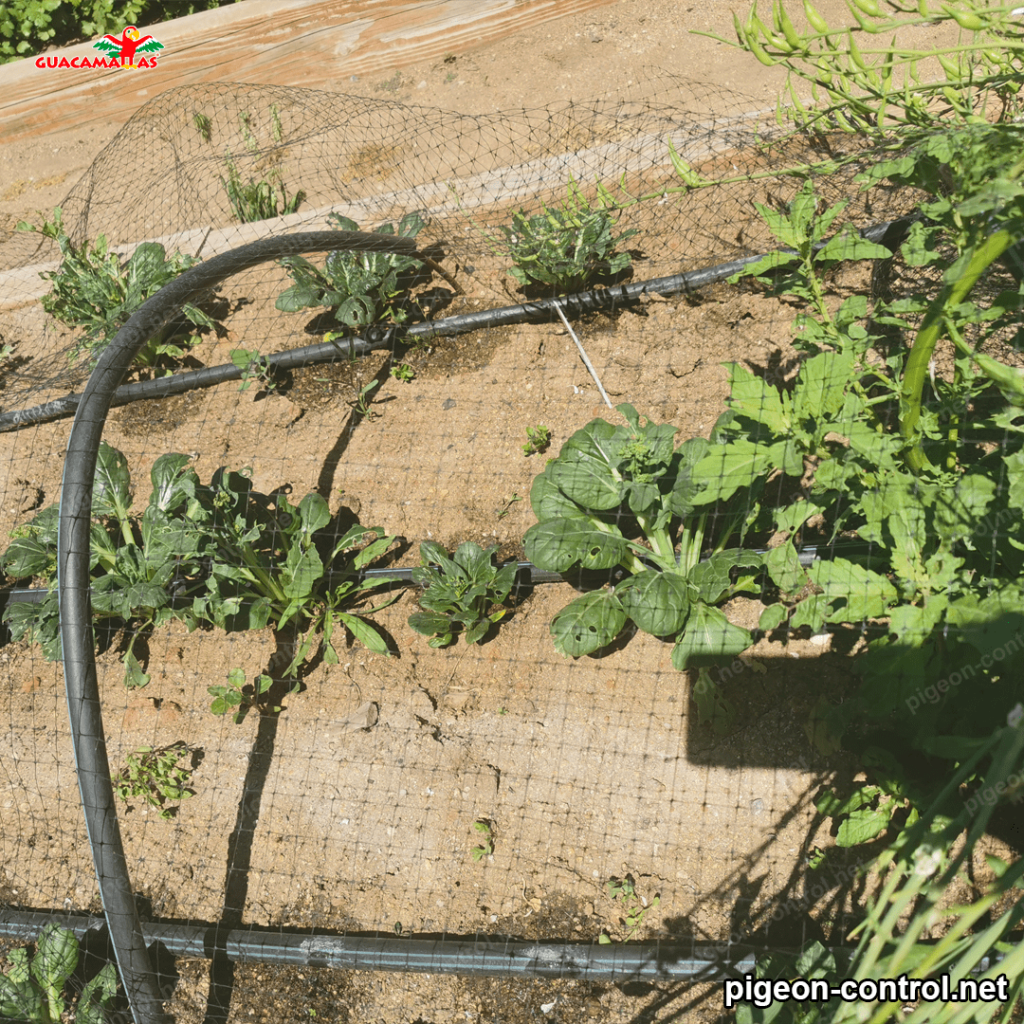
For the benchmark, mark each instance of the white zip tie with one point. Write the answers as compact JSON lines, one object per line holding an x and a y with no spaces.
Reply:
{"x":586,"y":362}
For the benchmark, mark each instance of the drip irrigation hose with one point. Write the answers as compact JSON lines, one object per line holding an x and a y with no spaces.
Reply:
{"x":73,"y":551}
{"x":527,"y":574}
{"x":889,"y":233}
{"x":482,"y":956}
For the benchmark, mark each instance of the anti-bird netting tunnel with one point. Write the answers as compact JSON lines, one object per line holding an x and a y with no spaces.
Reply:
{"x":457,"y":810}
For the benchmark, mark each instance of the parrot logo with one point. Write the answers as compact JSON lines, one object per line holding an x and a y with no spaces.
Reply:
{"x":123,"y":49}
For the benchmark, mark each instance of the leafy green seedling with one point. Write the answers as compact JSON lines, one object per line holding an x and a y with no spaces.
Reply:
{"x":403,"y":372}
{"x":567,"y":248}
{"x":485,"y":847}
{"x":460,"y":592}
{"x":634,"y":907}
{"x":33,"y":990}
{"x":254,"y":368}
{"x":258,"y":198}
{"x":155,"y":775}
{"x":506,"y":509}
{"x":239,"y":697}
{"x":538,"y":439}
{"x":95,"y":290}
{"x":361,"y":288}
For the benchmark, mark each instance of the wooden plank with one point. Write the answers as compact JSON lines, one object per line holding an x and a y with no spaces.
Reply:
{"x":310,"y":43}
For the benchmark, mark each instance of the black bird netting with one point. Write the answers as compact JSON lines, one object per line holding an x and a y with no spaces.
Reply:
{"x":342,"y":739}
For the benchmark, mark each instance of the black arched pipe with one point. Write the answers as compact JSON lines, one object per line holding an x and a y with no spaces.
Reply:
{"x":73,"y":581}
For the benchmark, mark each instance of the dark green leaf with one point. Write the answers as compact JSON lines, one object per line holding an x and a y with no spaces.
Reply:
{"x":55,"y":960}
{"x":560,"y":544}
{"x":430,"y":624}
{"x":588,"y":623}
{"x":863,"y":826}
{"x":658,"y":602}
{"x":111,"y":494}
{"x":97,"y":997}
{"x":173,"y":482}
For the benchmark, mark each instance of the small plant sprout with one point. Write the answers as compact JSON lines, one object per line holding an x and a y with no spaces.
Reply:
{"x":363,"y":402}
{"x":238,"y":696}
{"x":538,"y":439}
{"x":506,"y":509}
{"x":403,"y":372}
{"x":485,"y":847}
{"x":254,"y":368}
{"x":155,"y":775}
{"x":33,"y":990}
{"x":204,"y":126}
{"x":460,"y":592}
{"x":634,"y":907}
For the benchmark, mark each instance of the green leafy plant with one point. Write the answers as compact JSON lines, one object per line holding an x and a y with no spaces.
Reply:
{"x":485,"y":847}
{"x":145,"y":568}
{"x":624,"y":496}
{"x":222,"y":554}
{"x":566,"y":248}
{"x":361,"y":288}
{"x":635,"y":907}
{"x":273,"y":562}
{"x":859,"y":86}
{"x":403,"y":372}
{"x":155,"y":775}
{"x":95,"y":290}
{"x":35,"y":990}
{"x":538,"y":439}
{"x":460,"y":592}
{"x":255,"y":368}
{"x":258,"y":198}
{"x":240,"y":697}
{"x":506,"y":508}
{"x":941,"y":513}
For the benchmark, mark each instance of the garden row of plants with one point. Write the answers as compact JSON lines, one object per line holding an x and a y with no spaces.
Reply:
{"x":898,"y":444}
{"x":558,"y":249}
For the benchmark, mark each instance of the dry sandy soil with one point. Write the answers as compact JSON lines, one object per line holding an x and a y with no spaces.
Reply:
{"x":586,"y":769}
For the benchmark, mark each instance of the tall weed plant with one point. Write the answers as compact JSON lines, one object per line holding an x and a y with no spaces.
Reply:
{"x":916,"y":449}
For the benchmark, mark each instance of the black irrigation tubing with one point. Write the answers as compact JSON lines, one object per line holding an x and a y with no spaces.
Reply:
{"x":527,"y":574}
{"x":889,"y":233}
{"x":480,"y":956}
{"x":73,"y":559}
